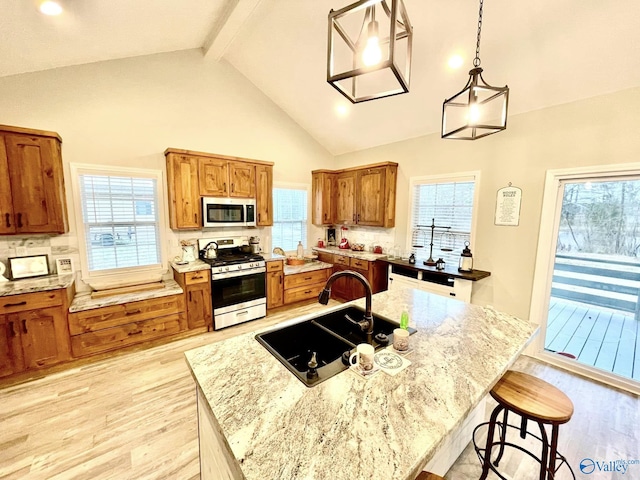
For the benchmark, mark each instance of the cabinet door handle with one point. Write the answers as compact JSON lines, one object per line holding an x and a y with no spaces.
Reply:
{"x":280,"y":279}
{"x":24,"y":326}
{"x":258,"y":216}
{"x":19,"y":220}
{"x":12,"y":330}
{"x":7,"y":219}
{"x":358,"y":217}
{"x":195,"y":217}
{"x":189,"y":296}
{"x":233,"y":187}
{"x":224,"y":187}
{"x":134,"y":312}
{"x":15,"y":304}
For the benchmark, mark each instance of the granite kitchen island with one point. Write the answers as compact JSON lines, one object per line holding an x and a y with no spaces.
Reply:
{"x":258,"y":421}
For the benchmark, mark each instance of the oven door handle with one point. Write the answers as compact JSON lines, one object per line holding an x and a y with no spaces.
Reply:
{"x":238,"y":273}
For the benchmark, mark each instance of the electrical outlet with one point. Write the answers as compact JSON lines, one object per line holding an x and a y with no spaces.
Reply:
{"x":21,"y":251}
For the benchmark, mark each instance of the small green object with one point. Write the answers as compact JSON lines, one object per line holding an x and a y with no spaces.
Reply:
{"x":404,"y":320}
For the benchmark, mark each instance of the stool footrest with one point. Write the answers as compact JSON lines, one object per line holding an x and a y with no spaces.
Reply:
{"x":481,"y":452}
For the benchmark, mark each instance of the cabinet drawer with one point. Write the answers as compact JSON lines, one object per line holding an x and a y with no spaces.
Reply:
{"x":201,"y":276}
{"x":341,"y":260}
{"x":361,"y":264}
{"x":30,"y":301}
{"x":302,"y":279}
{"x":275,"y":266}
{"x":126,"y":313}
{"x":303,"y":293}
{"x":117,"y":337}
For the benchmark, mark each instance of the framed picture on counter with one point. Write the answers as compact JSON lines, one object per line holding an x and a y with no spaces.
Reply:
{"x":28,"y":267}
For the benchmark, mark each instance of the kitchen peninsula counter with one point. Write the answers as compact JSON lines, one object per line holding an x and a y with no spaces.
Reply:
{"x":261,"y":422}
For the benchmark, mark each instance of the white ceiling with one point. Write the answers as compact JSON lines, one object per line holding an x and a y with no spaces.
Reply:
{"x":548,"y":52}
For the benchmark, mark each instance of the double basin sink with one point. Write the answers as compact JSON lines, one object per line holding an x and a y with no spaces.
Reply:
{"x":331,"y":336}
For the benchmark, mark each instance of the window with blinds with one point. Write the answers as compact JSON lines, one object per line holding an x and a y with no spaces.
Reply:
{"x":120,"y":217}
{"x":289,"y":218}
{"x":448,"y":204}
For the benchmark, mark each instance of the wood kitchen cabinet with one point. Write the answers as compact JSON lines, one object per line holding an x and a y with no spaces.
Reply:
{"x":33,"y":330}
{"x":305,"y":286}
{"x":32,"y":193}
{"x":348,"y":288}
{"x":192,"y":175}
{"x":184,"y":197}
{"x":275,"y":284}
{"x":264,"y":195}
{"x":197,"y":290}
{"x":323,"y":210}
{"x":363,"y":195}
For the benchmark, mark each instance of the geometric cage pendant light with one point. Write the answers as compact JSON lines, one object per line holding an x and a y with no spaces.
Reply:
{"x":369,"y":50}
{"x":479,"y":109}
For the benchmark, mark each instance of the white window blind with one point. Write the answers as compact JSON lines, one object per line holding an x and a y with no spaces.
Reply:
{"x":450,"y":204}
{"x":289,"y":218}
{"x":120,"y":216}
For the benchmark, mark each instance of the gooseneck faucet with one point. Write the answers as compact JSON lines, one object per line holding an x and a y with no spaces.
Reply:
{"x":367,"y":322}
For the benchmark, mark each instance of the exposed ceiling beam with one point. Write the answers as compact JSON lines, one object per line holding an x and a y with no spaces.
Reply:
{"x":227,"y":26}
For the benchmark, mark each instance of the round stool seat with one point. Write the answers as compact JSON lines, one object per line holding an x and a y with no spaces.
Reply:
{"x":533,"y":398}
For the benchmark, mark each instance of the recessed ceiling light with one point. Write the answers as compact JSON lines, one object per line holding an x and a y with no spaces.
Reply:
{"x":342,"y":110}
{"x":50,"y":8}
{"x":455,"y":61}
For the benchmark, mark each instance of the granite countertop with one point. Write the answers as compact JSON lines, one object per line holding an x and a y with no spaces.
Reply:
{"x":307,"y":267}
{"x":32,"y":285}
{"x":371,"y":257}
{"x":194,"y":266}
{"x":272,"y":257}
{"x":353,"y":428}
{"x":83,"y":301}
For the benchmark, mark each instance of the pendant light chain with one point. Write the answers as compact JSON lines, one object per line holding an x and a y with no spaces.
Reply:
{"x":476,"y":61}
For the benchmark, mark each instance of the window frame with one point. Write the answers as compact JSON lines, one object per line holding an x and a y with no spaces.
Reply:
{"x":122,"y":274}
{"x":294,"y":186}
{"x":445,"y":178}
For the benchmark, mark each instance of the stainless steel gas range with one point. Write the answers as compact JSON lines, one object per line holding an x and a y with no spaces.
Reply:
{"x":237,"y":280}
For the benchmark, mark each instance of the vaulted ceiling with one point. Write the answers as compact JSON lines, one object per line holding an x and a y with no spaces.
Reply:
{"x":548,"y":52}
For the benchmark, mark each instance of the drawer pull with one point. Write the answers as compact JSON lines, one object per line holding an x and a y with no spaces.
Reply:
{"x":15,"y":304}
{"x":24,"y":326}
{"x":199,"y":277}
{"x":308,"y":278}
{"x":307,"y":292}
{"x":137,"y":332}
{"x":134,"y":312}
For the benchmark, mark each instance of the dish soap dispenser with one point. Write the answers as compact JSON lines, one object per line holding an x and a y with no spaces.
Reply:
{"x":300,"y":250}
{"x":404,"y":318}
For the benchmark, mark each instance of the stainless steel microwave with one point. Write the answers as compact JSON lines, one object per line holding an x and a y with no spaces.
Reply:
{"x":228,"y":212}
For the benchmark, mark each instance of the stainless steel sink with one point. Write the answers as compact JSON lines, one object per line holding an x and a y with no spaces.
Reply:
{"x":331,"y":336}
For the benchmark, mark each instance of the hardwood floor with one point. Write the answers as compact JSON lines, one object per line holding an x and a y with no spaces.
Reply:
{"x":134,"y":417}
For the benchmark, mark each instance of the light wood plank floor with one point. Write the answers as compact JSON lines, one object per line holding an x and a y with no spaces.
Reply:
{"x":134,"y":417}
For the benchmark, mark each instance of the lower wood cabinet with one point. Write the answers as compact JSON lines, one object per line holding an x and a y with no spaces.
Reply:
{"x":197,"y":288}
{"x":304,"y":286}
{"x":348,"y":288}
{"x":110,"y":328}
{"x":275,"y":284}
{"x":33,"y":330}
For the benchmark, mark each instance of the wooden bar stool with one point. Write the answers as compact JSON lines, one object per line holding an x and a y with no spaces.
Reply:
{"x":428,"y":476}
{"x":532,"y":399}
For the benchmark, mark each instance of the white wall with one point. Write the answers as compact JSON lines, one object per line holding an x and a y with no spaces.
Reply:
{"x":599,"y":130}
{"x":127,"y":112}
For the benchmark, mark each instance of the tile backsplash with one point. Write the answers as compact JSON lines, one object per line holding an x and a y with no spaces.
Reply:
{"x":369,"y":236}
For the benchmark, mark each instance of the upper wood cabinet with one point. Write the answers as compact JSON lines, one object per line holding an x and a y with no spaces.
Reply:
{"x":264,"y":195}
{"x":362,"y":195}
{"x":184,"y":199}
{"x":323,"y":202}
{"x":193,"y":175}
{"x":32,"y":193}
{"x":222,"y":178}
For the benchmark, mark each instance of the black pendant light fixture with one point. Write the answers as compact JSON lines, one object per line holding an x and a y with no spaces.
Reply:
{"x":369,"y":49}
{"x":479,"y":109}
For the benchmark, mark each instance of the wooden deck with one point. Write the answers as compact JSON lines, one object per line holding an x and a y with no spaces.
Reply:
{"x":603,"y":338}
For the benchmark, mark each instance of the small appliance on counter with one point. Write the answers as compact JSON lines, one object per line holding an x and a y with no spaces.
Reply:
{"x":254,"y":243}
{"x":344,"y":243}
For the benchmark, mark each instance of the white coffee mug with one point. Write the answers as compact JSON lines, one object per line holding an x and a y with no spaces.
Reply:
{"x":363,"y":356}
{"x":401,"y":339}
